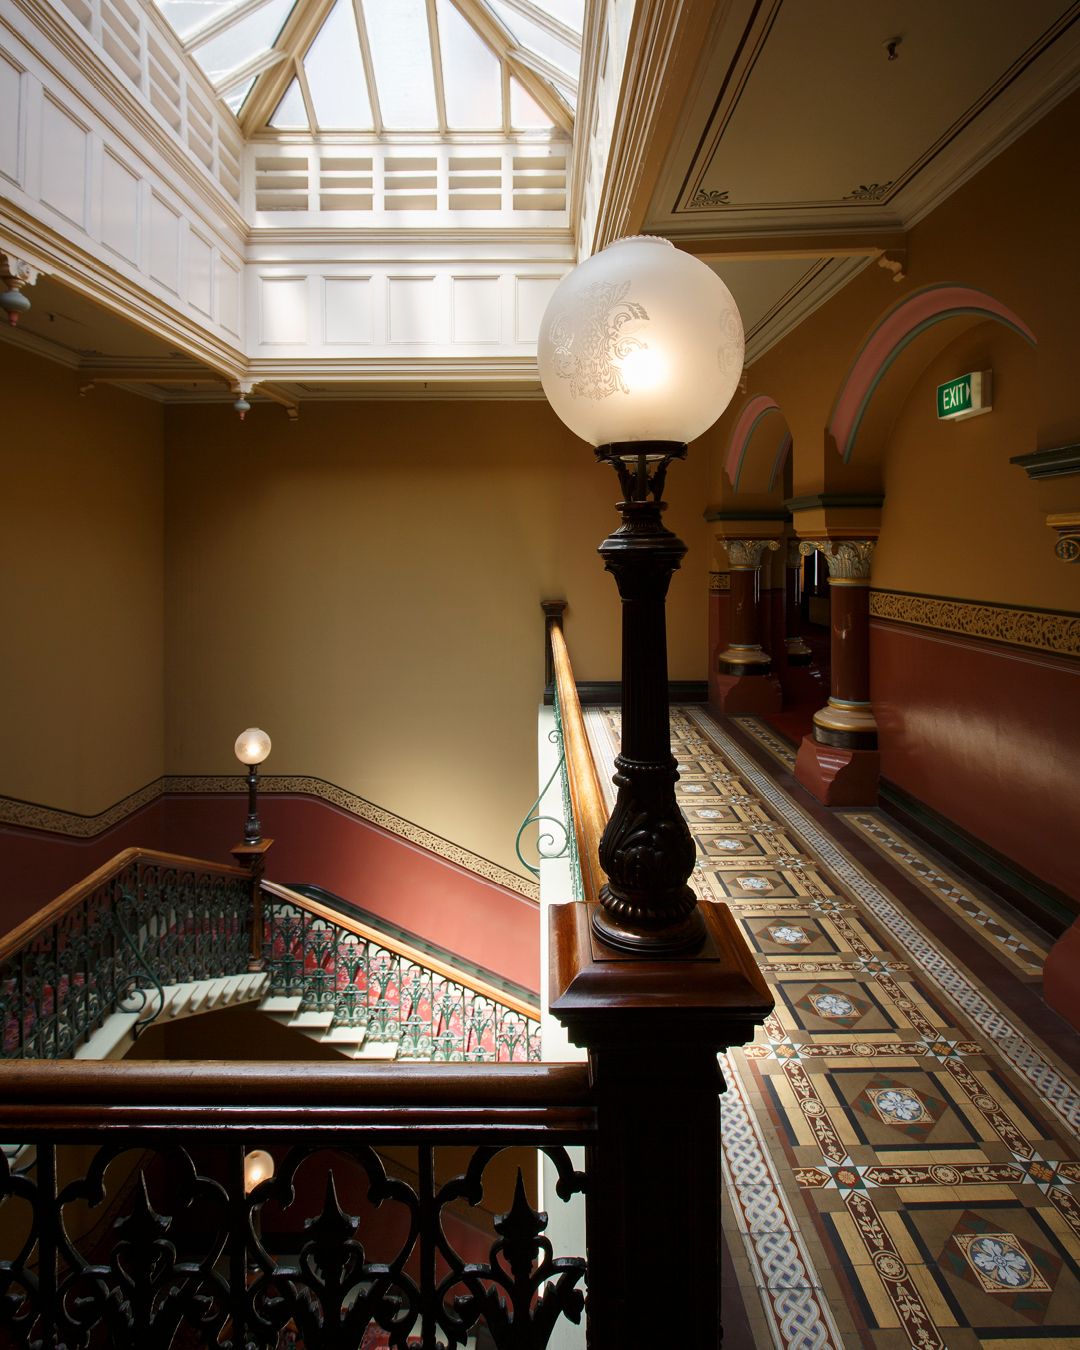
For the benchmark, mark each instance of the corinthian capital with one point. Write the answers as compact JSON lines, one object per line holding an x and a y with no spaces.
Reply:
{"x":794,"y":553}
{"x":848,"y":559}
{"x":744,"y":555}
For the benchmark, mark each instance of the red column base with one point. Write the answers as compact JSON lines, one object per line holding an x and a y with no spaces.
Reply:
{"x":742,"y":695}
{"x":1061,"y":976}
{"x":838,"y":777}
{"x":803,"y":687}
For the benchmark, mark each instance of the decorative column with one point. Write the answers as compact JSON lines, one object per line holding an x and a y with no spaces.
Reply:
{"x":798,"y":653}
{"x":746,"y":683}
{"x":840,"y":763}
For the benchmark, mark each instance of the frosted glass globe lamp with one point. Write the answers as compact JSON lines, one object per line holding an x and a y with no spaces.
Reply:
{"x":640,"y":351}
{"x":251,"y":748}
{"x":258,"y":1167}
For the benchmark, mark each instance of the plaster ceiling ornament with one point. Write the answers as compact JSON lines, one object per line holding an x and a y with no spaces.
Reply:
{"x":640,"y":342}
{"x":15,"y":273}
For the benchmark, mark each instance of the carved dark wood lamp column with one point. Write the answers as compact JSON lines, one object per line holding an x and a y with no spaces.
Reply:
{"x":640,"y":351}
{"x":252,"y":747}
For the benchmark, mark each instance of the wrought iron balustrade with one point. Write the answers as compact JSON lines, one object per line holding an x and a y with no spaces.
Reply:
{"x":408,"y":1003}
{"x":141,"y":922}
{"x":153,"y":1240}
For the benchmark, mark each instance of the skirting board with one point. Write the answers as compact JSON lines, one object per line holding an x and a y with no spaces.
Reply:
{"x":1043,"y":904}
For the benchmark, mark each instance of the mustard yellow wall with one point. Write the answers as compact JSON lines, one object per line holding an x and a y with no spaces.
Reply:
{"x":365,"y":584}
{"x":81,"y":526}
{"x":959,"y":520}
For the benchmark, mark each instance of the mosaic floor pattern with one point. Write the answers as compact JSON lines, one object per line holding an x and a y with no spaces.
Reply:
{"x":902,"y":1158}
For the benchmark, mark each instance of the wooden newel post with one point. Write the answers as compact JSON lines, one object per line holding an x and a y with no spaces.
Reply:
{"x":653,"y":1027}
{"x":253,"y":857}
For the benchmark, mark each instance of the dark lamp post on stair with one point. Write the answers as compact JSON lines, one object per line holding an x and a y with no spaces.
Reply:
{"x":640,"y":351}
{"x":252,"y":747}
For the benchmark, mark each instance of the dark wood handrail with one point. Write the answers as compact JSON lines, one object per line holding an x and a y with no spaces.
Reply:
{"x":586,"y":799}
{"x":76,"y":1096}
{"x":49,"y":914}
{"x":474,"y":983}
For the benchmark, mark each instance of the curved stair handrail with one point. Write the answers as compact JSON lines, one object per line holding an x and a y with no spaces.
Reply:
{"x":476,"y":984}
{"x":586,"y":800}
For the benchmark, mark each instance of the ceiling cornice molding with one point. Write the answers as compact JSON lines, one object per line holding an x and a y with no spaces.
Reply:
{"x":122,"y":98}
{"x":819,"y":283}
{"x":505,"y":237}
{"x":368,"y":369}
{"x":86,"y":274}
{"x":663,"y":50}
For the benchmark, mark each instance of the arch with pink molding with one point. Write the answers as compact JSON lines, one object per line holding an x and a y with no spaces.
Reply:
{"x":901,"y":326}
{"x":751,"y":416}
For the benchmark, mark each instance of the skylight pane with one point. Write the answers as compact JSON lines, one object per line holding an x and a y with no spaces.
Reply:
{"x":335,"y":73}
{"x":239,"y":45}
{"x":234,"y":100}
{"x":472,"y":73}
{"x":539,"y":40}
{"x":291,"y":114}
{"x":569,"y":12}
{"x":401,"y":55}
{"x":188,"y":16}
{"x":525,"y":112}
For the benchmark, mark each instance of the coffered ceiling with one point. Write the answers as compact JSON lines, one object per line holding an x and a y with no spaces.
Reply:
{"x":798,"y":120}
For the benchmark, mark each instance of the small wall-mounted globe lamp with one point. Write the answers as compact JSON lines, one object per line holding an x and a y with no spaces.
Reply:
{"x":242,"y":406}
{"x":640,"y":351}
{"x":258,"y":1167}
{"x":252,"y":747}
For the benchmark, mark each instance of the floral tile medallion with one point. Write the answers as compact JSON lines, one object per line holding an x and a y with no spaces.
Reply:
{"x":903,"y":1107}
{"x":998,"y":1262}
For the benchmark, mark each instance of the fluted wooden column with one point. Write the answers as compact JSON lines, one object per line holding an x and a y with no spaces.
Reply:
{"x":839,"y":763}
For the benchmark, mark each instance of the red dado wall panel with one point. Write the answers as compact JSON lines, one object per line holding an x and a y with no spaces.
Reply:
{"x":314,"y":842}
{"x":317,"y":843}
{"x":986,"y":735}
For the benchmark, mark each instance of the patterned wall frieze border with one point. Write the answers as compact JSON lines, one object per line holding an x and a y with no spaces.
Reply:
{"x":1055,"y":632}
{"x":28,"y":815}
{"x":719,"y":581}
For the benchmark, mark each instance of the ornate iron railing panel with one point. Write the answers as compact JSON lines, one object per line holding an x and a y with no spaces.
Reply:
{"x":398,"y":1002}
{"x":326,"y":1253}
{"x":148,"y":925}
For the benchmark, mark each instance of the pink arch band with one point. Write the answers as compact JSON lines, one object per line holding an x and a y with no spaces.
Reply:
{"x":912,"y":316}
{"x":760,"y":406}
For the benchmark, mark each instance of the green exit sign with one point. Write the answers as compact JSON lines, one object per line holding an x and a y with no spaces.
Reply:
{"x":966,"y":396}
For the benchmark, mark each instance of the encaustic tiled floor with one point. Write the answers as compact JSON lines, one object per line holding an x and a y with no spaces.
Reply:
{"x":901,"y":1142}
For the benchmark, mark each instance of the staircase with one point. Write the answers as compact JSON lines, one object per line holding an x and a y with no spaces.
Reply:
{"x":371,"y":995}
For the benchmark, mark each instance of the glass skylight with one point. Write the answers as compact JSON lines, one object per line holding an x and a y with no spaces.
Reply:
{"x":247,"y":39}
{"x":472,"y":73}
{"x":401,"y":56}
{"x":433,"y":70}
{"x":334,"y":67}
{"x":291,"y":115}
{"x":186,"y":17}
{"x":539,"y":40}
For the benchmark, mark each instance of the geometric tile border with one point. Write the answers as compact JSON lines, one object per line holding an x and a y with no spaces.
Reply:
{"x":794,"y":1302}
{"x":1029,"y":959}
{"x":1055,"y":1090}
